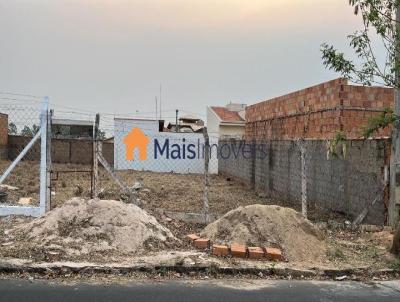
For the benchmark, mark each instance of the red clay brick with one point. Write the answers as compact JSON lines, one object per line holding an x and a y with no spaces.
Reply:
{"x":273,"y":254}
{"x":256,"y":252}
{"x":202,"y":243}
{"x":220,"y":250}
{"x":286,"y":116}
{"x":192,"y":237}
{"x":238,"y":250}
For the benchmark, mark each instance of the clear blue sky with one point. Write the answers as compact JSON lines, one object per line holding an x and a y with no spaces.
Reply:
{"x":111,"y":56}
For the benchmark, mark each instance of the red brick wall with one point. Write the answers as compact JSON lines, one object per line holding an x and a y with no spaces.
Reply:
{"x":318,"y":112}
{"x":3,"y":135}
{"x":3,"y":129}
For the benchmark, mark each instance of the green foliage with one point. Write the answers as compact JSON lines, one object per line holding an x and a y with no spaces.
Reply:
{"x":336,"y":253}
{"x":27,"y":131}
{"x":396,"y":264}
{"x":386,"y":118}
{"x":340,"y":140}
{"x":378,"y":18}
{"x":12,"y":129}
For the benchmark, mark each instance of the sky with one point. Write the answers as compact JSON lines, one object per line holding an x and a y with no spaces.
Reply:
{"x":112,"y":56}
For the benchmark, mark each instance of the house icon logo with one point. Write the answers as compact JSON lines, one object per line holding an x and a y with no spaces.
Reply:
{"x":136,"y":139}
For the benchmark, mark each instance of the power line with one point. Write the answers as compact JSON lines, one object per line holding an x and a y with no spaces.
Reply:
{"x":21,"y":94}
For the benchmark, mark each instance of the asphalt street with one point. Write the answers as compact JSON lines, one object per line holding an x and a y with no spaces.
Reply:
{"x":197,"y":291}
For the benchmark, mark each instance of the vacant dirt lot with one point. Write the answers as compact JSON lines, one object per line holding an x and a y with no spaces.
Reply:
{"x":184,"y":193}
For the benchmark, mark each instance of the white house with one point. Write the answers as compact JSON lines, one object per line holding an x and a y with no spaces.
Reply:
{"x":228,"y":121}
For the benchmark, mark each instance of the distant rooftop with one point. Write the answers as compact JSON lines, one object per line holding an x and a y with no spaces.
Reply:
{"x":226,"y":114}
{"x":71,"y":122}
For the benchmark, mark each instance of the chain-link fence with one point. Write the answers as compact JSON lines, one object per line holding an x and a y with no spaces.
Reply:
{"x":23,"y":158}
{"x":327,"y":181}
{"x":72,"y":153}
{"x":143,"y":161}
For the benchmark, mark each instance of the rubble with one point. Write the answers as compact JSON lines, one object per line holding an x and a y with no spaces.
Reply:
{"x":269,"y":226}
{"x":25,"y":201}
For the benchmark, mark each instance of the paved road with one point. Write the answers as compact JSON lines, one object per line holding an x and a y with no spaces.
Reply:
{"x":231,"y":291}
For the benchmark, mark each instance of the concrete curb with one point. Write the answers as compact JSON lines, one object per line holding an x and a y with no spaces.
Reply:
{"x":59,"y":269}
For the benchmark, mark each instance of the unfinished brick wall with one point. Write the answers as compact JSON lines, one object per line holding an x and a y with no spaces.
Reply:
{"x":72,"y":151}
{"x":318,"y":112}
{"x":341,"y":185}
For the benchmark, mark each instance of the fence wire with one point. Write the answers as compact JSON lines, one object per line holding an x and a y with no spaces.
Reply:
{"x":166,"y":170}
{"x":19,"y":123}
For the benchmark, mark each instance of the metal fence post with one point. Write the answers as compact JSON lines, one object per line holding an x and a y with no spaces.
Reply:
{"x":303,"y":153}
{"x":48,"y":163}
{"x":206,"y":179}
{"x":95,"y":170}
{"x":43,"y":155}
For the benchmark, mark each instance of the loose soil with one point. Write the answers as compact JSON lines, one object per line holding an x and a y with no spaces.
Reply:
{"x":181,"y":193}
{"x":270,"y":226}
{"x":84,"y":229}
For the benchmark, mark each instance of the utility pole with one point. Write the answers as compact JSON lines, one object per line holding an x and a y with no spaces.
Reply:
{"x":176,"y":121}
{"x":160,"y":100}
{"x":156,"y":109}
{"x":394,"y":203}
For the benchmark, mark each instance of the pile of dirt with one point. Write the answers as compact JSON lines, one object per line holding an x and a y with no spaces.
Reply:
{"x":263,"y":225}
{"x":85,"y":227}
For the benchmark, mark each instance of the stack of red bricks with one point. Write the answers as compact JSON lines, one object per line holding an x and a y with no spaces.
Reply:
{"x":318,"y":112}
{"x":236,"y":250}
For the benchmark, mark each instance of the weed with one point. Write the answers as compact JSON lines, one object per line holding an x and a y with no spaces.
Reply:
{"x":337,"y":253}
{"x":395,"y":264}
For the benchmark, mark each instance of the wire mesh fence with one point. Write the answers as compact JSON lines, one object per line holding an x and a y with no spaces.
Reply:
{"x":309,"y":177}
{"x":143,"y":161}
{"x":19,"y":125}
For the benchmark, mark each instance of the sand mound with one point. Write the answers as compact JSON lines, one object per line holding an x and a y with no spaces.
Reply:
{"x":262,"y":225}
{"x":82,"y":227}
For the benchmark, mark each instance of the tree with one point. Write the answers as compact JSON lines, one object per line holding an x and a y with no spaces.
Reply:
{"x":12,"y":129}
{"x":35,"y":129}
{"x":379,"y":21}
{"x":379,"y":24}
{"x":27,"y":131}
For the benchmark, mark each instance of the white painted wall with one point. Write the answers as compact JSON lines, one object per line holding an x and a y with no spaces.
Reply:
{"x":212,"y":123}
{"x":236,"y":131}
{"x":217,"y":129}
{"x":150,"y":127}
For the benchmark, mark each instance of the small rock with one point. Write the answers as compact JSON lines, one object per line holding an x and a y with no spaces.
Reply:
{"x":167,"y":219}
{"x":262,"y":195}
{"x":146,"y":190}
{"x":137,"y":185}
{"x":25,"y":201}
{"x":10,"y":188}
{"x":53,"y":253}
{"x":7,"y":243}
{"x":341,"y":278}
{"x":322,"y":225}
{"x":53,"y":193}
